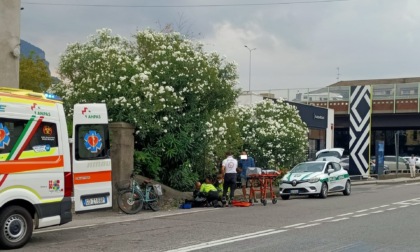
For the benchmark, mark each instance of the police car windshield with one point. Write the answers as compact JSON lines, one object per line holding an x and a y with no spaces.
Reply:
{"x":308,"y":167}
{"x":329,"y":154}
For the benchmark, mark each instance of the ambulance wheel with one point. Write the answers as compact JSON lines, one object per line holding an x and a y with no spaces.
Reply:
{"x":274,"y":201}
{"x":16,"y":227}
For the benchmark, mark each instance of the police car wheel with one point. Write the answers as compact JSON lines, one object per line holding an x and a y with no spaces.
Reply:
{"x":324,"y":191}
{"x":16,"y":227}
{"x":285,"y":197}
{"x":347,"y":189}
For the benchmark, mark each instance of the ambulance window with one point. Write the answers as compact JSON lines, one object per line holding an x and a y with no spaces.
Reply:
{"x":44,"y":138}
{"x":92,"y":141}
{"x":10,"y":131}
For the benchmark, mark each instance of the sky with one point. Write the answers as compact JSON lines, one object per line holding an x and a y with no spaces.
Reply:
{"x":299,"y":43}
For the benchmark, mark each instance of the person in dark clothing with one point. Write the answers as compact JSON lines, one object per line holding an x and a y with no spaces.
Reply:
{"x":198,"y":199}
{"x":244,"y":163}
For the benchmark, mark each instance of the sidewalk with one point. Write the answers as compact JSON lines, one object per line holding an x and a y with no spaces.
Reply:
{"x":397,"y":180}
{"x":103,"y":217}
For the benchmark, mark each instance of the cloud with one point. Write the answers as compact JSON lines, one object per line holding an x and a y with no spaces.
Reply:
{"x":298,"y":45}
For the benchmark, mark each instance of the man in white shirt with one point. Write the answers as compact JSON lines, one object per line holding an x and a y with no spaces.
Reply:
{"x":229,"y":168}
{"x":412,"y":164}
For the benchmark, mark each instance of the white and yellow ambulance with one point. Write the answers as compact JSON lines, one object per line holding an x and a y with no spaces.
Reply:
{"x":39,"y":175}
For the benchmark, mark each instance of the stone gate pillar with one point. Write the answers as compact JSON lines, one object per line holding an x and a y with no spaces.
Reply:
{"x":9,"y":42}
{"x":122,"y":155}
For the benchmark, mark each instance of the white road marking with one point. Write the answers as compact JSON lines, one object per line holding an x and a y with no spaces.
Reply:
{"x":294,"y":225}
{"x":335,"y":220}
{"x":121,"y":221}
{"x":328,"y":218}
{"x":298,"y":226}
{"x":401,"y":203}
{"x":380,"y":211}
{"x":227,"y":240}
{"x":59,"y":229}
{"x":309,"y":225}
{"x":408,"y":202}
{"x":345,"y":214}
{"x":361,"y":211}
{"x":360,"y":215}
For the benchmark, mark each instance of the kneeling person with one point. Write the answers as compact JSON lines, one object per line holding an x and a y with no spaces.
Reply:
{"x":210,"y":192}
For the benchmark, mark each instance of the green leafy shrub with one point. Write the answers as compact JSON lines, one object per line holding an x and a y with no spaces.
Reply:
{"x":147,"y":164}
{"x":183,"y":178}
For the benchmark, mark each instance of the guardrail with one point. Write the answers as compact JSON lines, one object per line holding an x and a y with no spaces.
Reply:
{"x":395,"y":171}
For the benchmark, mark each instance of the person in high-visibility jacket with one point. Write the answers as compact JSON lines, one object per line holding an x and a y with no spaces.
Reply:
{"x":219,"y":185}
{"x":210,"y":192}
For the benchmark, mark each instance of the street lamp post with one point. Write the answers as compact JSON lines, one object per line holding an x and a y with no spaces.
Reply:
{"x":250,"y":55}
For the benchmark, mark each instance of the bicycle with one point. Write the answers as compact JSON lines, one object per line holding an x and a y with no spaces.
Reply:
{"x":132,"y":199}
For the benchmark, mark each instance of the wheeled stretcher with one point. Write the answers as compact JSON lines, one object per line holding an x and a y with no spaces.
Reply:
{"x":262,"y":181}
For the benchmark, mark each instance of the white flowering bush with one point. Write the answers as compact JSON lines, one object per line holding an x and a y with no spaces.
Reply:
{"x":222,"y":134}
{"x":273,"y":133}
{"x":163,"y":84}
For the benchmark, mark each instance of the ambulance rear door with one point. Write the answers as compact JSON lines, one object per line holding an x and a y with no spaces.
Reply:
{"x":91,"y":160}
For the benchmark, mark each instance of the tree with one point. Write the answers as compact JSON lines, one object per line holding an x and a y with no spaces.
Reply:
{"x":33,"y":73}
{"x":273,"y":133}
{"x":164,"y":84}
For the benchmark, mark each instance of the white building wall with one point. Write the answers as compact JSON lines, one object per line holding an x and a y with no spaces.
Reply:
{"x":329,"y":138}
{"x":248,"y":99}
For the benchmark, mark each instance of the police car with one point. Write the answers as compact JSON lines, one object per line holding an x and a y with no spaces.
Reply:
{"x":316,"y":178}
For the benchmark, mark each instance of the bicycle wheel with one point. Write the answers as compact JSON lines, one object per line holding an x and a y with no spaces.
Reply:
{"x":153,"y":201}
{"x":130,"y":202}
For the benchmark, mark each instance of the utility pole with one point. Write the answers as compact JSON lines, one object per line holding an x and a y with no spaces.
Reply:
{"x":338,"y":74}
{"x":250,"y":57}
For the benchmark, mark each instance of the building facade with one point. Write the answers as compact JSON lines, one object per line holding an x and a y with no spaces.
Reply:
{"x":395,"y":111}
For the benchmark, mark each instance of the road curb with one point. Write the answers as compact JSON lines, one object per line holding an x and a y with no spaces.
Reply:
{"x":386,"y":182}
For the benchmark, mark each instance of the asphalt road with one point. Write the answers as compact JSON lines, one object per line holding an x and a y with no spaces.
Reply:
{"x":372,"y":218}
